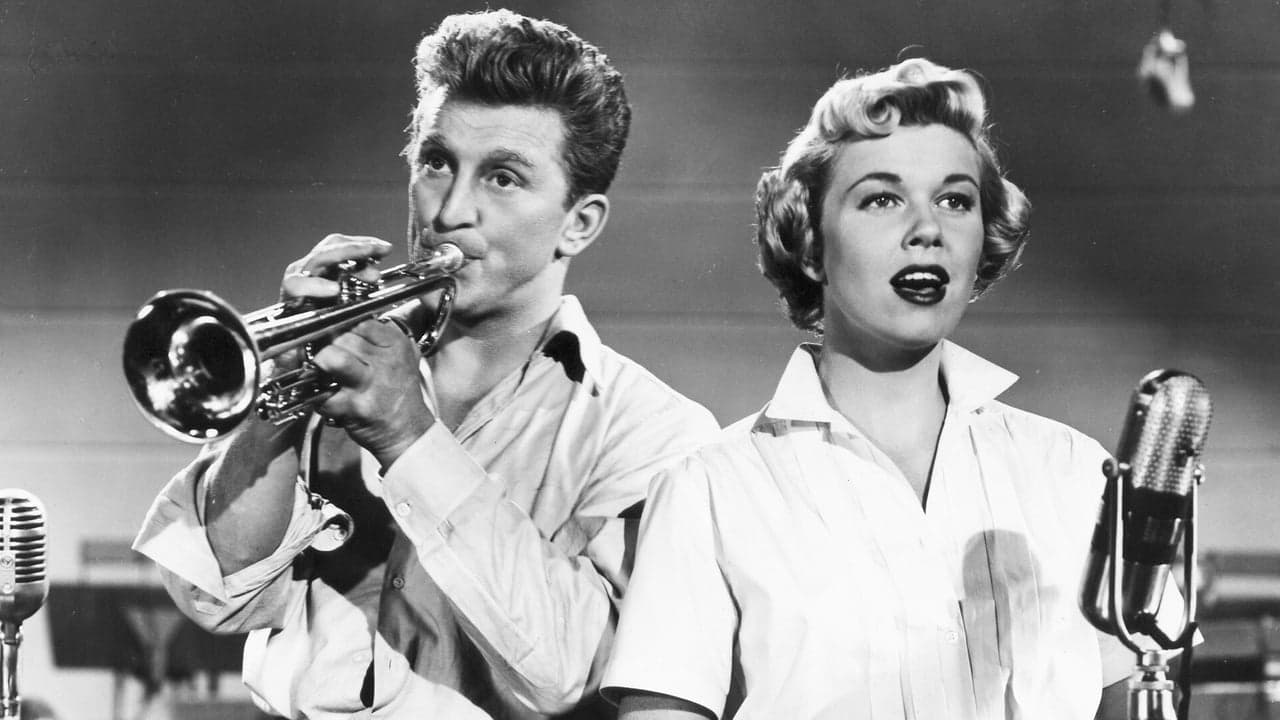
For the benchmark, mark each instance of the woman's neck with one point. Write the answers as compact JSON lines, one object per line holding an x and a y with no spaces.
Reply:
{"x":872,"y":391}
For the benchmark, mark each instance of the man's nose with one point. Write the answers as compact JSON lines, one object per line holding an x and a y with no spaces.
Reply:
{"x":457,"y":207}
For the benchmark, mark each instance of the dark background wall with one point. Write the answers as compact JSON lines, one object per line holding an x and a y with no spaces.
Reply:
{"x":148,"y":144}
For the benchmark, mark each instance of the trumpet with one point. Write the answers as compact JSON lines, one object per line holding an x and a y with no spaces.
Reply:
{"x":196,"y":367}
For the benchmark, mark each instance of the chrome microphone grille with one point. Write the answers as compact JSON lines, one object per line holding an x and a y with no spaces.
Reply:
{"x":22,"y":539}
{"x":1173,"y":433}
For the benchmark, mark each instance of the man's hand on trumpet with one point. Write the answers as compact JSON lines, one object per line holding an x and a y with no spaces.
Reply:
{"x":380,"y":401}
{"x":315,"y":274}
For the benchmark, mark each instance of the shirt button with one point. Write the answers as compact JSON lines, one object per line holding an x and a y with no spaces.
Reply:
{"x":403,"y":509}
{"x":951,"y":636}
{"x":360,"y":658}
{"x":397,"y":582}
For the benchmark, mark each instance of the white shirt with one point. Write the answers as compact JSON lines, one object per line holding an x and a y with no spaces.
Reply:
{"x":486,"y":564}
{"x":791,"y":568}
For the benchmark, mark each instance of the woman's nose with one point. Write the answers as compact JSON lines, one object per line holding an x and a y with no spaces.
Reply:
{"x":925,"y":230}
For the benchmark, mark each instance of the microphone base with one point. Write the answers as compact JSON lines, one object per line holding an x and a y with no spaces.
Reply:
{"x":1150,"y":689}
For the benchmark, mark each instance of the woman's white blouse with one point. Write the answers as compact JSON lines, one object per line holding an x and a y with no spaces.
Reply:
{"x":789,"y":571}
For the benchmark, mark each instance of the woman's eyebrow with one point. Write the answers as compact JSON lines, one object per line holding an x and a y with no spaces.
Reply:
{"x":888,"y":177}
{"x":960,"y":177}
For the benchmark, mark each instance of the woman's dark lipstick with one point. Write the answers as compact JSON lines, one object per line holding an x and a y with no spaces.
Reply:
{"x":921,"y":284}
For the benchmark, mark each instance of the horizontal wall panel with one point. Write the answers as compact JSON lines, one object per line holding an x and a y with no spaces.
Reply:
{"x":1177,"y":255}
{"x":240,"y":125}
{"x":114,"y":249}
{"x":1180,"y":256}
{"x":1089,"y":132}
{"x":49,"y":35}
{"x":1054,"y":33}
{"x":696,"y":128}
{"x":64,"y":383}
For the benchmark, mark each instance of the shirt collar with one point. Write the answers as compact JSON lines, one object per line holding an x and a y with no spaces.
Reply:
{"x":971,"y":382}
{"x":570,"y":318}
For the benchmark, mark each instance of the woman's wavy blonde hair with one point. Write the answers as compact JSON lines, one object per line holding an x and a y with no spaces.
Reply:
{"x":789,"y":197}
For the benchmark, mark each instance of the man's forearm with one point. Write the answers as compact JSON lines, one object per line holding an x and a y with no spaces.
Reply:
{"x":249,"y":493}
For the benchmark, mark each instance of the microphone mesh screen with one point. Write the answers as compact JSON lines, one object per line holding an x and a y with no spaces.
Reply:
{"x":22,"y":524}
{"x":1173,"y":435}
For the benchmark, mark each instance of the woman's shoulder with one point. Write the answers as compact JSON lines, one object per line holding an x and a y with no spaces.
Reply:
{"x":1046,"y":455}
{"x":1026,"y":429}
{"x":729,"y":457}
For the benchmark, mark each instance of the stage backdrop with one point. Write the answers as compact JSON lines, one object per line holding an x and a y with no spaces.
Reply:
{"x":149,"y":144}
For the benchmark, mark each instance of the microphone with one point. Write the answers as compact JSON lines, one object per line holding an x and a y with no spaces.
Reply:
{"x":23,"y":585}
{"x":1156,"y":465}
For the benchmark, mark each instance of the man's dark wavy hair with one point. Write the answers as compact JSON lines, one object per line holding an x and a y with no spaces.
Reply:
{"x":502,"y":58}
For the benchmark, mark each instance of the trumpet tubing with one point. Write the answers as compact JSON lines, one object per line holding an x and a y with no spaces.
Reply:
{"x":195,"y":367}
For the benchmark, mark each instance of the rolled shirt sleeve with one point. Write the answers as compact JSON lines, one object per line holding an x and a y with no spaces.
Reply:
{"x":677,"y":629}
{"x":173,"y":535}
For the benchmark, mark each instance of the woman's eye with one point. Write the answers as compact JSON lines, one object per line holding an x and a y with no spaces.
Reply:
{"x":958,"y":202}
{"x":878,"y":201}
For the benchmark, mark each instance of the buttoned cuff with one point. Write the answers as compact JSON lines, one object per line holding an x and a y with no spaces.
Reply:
{"x":429,"y":482}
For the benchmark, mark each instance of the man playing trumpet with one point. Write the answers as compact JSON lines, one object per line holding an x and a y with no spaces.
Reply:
{"x":491,"y":476}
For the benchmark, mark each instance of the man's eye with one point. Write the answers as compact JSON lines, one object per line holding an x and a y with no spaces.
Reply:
{"x":505,"y":180}
{"x":434,"y":162}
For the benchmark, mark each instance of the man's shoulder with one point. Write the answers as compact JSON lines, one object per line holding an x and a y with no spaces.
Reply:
{"x":623,"y":376}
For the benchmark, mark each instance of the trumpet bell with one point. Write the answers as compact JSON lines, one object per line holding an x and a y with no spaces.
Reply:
{"x":195,"y":366}
{"x":191,"y":364}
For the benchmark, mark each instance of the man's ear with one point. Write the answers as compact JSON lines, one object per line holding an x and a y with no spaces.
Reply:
{"x":583,"y":223}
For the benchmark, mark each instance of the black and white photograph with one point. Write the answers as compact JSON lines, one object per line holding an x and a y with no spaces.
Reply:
{"x":640,"y":360}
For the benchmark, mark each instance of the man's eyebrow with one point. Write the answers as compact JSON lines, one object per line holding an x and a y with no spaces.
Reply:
{"x":433,"y":141}
{"x":508,"y":155}
{"x":495,"y":156}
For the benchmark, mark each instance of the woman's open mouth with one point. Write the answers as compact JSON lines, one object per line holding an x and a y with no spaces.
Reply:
{"x":921,"y":284}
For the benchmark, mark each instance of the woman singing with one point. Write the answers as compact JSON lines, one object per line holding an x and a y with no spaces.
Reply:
{"x":884,"y":539}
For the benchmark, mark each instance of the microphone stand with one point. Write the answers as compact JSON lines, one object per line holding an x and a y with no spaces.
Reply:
{"x":10,"y":703}
{"x":1150,"y":690}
